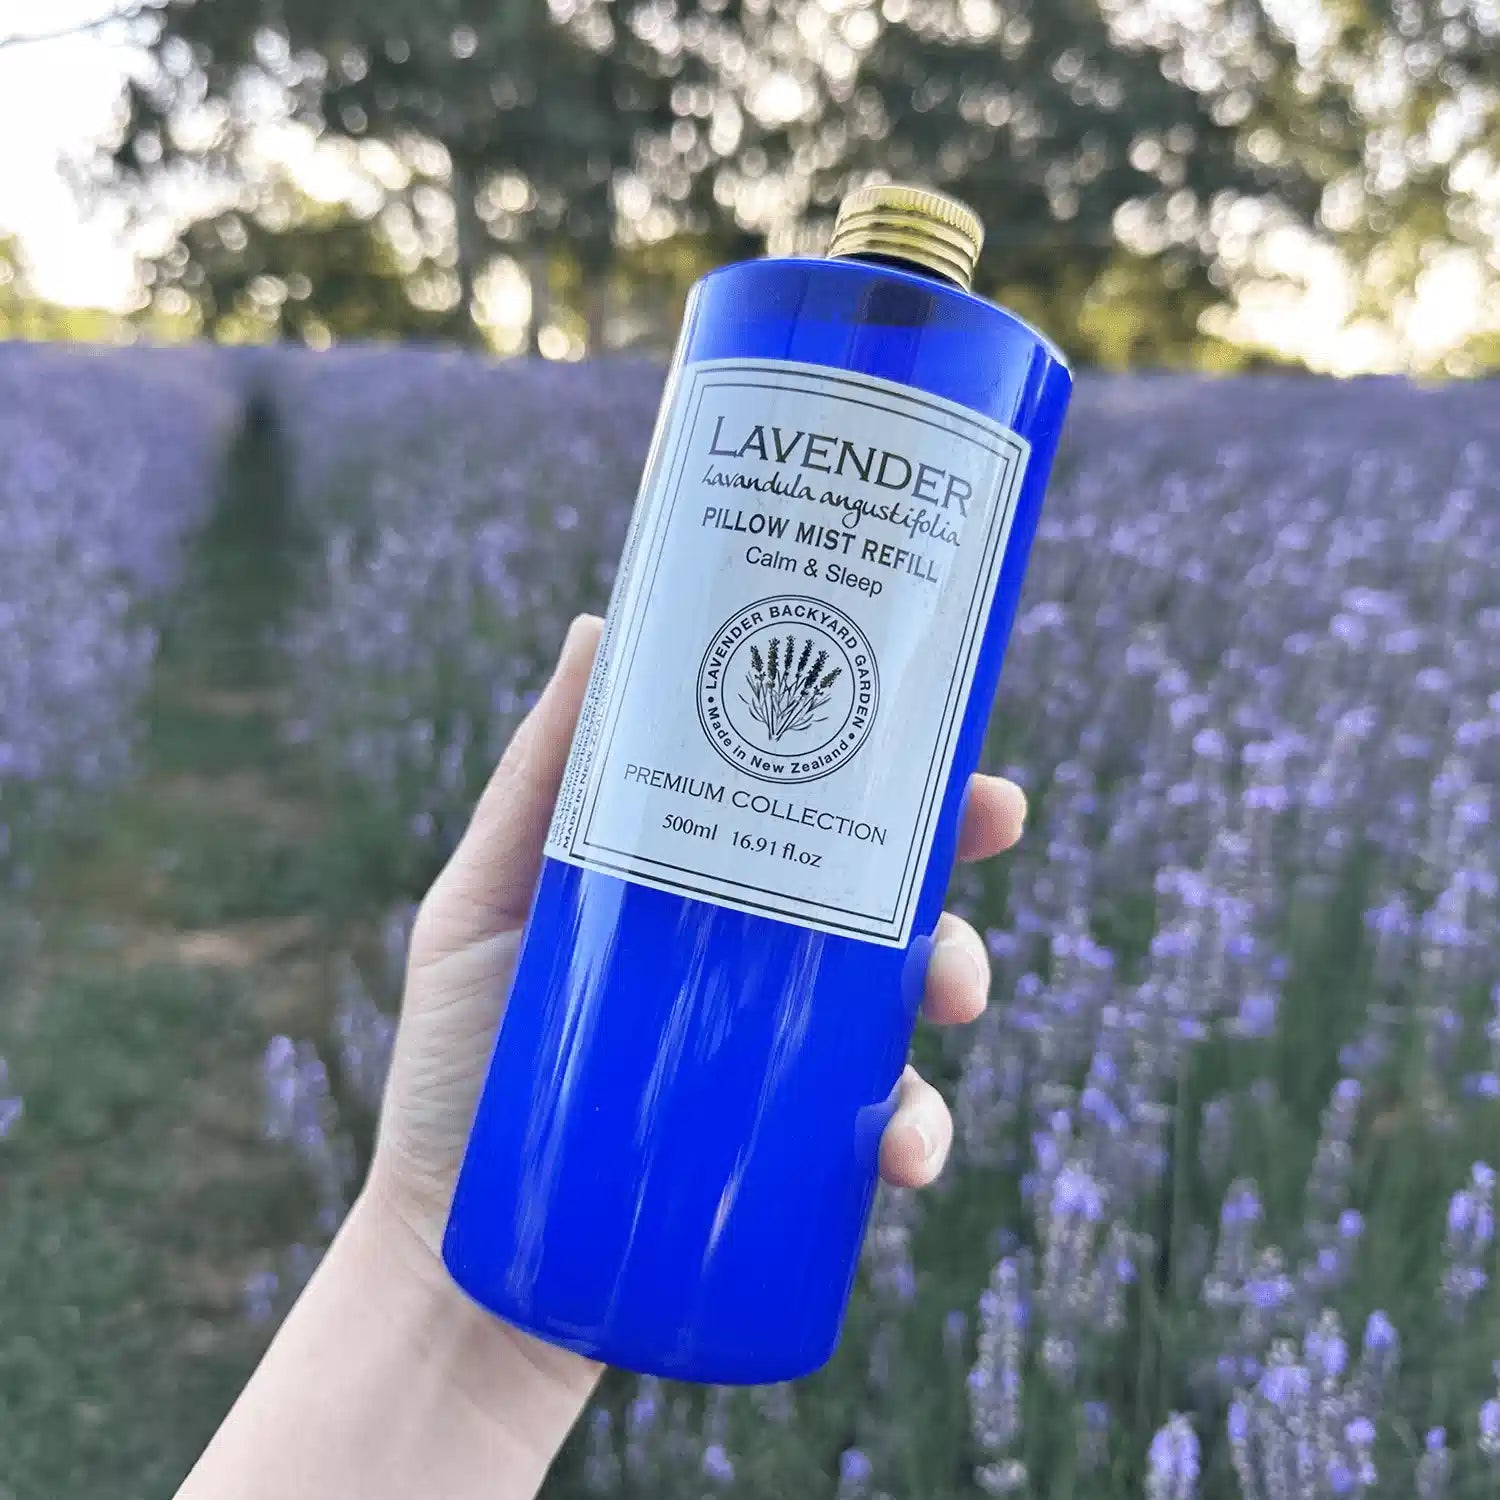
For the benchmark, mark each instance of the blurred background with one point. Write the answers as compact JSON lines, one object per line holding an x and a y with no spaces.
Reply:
{"x":1184,"y":182}
{"x":331,"y":335}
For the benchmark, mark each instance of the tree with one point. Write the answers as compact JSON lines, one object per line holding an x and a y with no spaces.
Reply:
{"x":533,"y":118}
{"x":12,"y":288}
{"x":294,"y":267}
{"x":1385,"y":110}
{"x":26,"y":315}
{"x":1127,"y":162}
{"x":1098,"y":164}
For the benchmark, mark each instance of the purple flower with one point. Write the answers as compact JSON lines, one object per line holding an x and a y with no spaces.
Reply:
{"x":854,"y":1467}
{"x":1239,"y":1422}
{"x":261,"y":1290}
{"x":1470,"y":1233}
{"x":300,"y":1112}
{"x":717,"y":1465}
{"x":1257,"y":1014}
{"x":1342,"y":1479}
{"x":1284,"y":1385}
{"x":1329,"y":1353}
{"x":1268,"y":1292}
{"x":855,"y":1473}
{"x":11,"y":1105}
{"x":1380,"y":1334}
{"x":1434,"y":1467}
{"x":108,"y":464}
{"x":601,"y":1469}
{"x":994,"y":1383}
{"x":1489,"y":1430}
{"x":1076,"y":1196}
{"x":1172,"y":1462}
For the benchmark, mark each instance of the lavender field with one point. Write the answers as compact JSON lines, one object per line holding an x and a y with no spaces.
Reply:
{"x":1221,"y":1217}
{"x":107,"y":463}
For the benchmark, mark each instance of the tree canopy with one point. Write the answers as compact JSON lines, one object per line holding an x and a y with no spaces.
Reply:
{"x":1125,"y":154}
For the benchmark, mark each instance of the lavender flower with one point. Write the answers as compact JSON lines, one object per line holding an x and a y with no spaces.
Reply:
{"x":440,"y":600}
{"x":643,"y":1420}
{"x":108,"y":464}
{"x":11,"y":1105}
{"x":261,"y":1291}
{"x":1486,"y":1084}
{"x":995,"y":1380}
{"x":1380,"y":1354}
{"x":1435,"y":1466}
{"x":1468,"y":1240}
{"x":1489,"y":1433}
{"x":717,"y":1465}
{"x":601,"y":1465}
{"x":1305,"y":1428}
{"x":855,"y":1473}
{"x":1095,"y":1423}
{"x":1172,"y":1465}
{"x":887,"y":1251}
{"x":1328,"y":1187}
{"x":364,"y":1036}
{"x":300,"y":1112}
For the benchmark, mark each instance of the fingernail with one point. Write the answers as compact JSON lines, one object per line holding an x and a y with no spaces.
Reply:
{"x":954,"y":950}
{"x":570,"y":640}
{"x":928,"y":1140}
{"x":576,"y":631}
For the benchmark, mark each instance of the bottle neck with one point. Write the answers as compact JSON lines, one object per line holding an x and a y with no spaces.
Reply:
{"x":901,"y":263}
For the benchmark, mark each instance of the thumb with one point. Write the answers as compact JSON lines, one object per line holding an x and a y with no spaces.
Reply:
{"x":485,"y":888}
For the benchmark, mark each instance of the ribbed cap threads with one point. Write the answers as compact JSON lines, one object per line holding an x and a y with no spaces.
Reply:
{"x":913,"y":224}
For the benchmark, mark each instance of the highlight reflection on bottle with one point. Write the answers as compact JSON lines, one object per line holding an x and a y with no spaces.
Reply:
{"x":674,"y":1156}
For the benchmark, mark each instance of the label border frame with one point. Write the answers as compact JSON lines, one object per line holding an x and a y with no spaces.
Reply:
{"x":1013,"y":451}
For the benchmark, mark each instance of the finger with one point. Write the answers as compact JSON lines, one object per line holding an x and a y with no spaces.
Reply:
{"x":993,"y":817}
{"x":486,"y":886}
{"x":915,"y":1144}
{"x":958,"y":974}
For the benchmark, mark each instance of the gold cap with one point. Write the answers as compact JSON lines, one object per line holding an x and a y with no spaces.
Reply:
{"x":929,"y":229}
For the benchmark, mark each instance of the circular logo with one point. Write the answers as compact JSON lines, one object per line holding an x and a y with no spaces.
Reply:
{"x":787,"y":689}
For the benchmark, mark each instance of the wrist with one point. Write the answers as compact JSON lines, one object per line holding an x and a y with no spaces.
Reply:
{"x":386,"y":1382}
{"x":533,"y":1390}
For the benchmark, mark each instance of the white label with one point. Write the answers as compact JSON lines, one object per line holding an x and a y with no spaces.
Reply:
{"x":792,"y":638}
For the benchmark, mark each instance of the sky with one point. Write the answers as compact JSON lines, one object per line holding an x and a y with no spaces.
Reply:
{"x":60,"y":95}
{"x":56,"y":98}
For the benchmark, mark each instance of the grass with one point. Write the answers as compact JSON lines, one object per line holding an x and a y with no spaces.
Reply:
{"x":135,"y":1200}
{"x":180,"y":930}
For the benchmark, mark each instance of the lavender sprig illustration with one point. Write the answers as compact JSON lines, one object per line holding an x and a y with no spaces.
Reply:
{"x":785,"y":692}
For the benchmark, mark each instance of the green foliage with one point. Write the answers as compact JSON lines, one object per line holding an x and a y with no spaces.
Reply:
{"x":131,"y":1196}
{"x":1126,"y":157}
{"x":506,"y":89}
{"x":295,"y":268}
{"x":24,"y":315}
{"x":552,"y":133}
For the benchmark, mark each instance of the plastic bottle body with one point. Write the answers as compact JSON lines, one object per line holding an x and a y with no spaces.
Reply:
{"x":675,"y":1153}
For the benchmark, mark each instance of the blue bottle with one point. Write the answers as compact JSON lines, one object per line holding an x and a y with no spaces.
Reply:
{"x":675,"y":1153}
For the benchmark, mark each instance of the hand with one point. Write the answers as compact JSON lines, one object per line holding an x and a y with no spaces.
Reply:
{"x":385,"y":1381}
{"x":467,"y":935}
